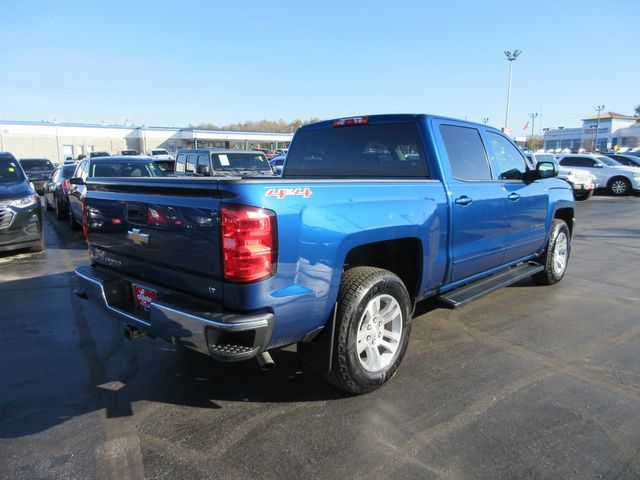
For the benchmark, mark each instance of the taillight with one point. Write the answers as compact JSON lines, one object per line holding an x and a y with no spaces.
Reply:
{"x":85,"y":219}
{"x":65,"y":186}
{"x":348,"y":122}
{"x":248,"y":243}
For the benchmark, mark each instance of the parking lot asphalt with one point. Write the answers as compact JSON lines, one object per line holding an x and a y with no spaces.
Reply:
{"x":528,"y":382}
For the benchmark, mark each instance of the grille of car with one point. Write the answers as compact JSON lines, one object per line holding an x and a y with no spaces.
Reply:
{"x":6,"y":216}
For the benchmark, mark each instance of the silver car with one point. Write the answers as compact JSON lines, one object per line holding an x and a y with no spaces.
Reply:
{"x":610,"y":174}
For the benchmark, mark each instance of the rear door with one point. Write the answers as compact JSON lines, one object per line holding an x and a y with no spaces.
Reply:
{"x":527,"y":203}
{"x":478,"y":226}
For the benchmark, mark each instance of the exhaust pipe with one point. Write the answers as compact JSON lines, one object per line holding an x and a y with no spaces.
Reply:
{"x":131,"y":333}
{"x":265,"y":361}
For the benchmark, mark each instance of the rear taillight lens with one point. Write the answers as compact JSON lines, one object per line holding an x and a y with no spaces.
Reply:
{"x":349,"y":122}
{"x":248,"y":243}
{"x":65,"y":186}
{"x":85,"y":219}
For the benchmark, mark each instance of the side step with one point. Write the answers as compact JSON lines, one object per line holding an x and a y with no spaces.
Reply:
{"x":472,"y":291}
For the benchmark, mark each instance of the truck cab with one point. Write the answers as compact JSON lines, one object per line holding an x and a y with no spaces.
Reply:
{"x":213,"y":162}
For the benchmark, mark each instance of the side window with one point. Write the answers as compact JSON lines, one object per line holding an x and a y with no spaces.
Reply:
{"x":55,"y":174}
{"x":191,"y":163}
{"x":570,"y":162}
{"x":83,"y":170}
{"x":204,"y":167}
{"x":587,"y":162}
{"x":507,"y":159}
{"x":180,"y":160}
{"x":466,"y":153}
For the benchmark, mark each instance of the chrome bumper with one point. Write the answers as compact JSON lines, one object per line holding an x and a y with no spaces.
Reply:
{"x":226,"y":336}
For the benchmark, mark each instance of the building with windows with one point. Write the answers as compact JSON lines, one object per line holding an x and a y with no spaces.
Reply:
{"x":603,"y":131}
{"x":59,"y":141}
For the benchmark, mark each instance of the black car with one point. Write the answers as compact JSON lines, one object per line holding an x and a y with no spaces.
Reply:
{"x":20,"y":208}
{"x":56,"y":190}
{"x":116,"y":166}
{"x":38,"y":170}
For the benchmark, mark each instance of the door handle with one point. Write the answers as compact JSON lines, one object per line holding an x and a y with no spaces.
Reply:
{"x":463,"y":200}
{"x":513,"y":197}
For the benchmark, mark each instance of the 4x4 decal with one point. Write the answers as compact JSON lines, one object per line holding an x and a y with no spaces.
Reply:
{"x":281,"y":193}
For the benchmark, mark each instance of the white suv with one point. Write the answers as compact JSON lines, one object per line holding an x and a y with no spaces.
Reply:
{"x":617,"y":178}
{"x":582,"y":181}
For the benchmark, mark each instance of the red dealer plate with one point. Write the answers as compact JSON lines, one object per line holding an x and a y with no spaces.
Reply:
{"x":143,"y":296}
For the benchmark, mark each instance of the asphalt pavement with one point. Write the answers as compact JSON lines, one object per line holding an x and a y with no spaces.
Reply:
{"x":528,"y":382}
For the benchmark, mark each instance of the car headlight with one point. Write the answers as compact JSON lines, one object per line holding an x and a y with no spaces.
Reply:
{"x":24,"y":202}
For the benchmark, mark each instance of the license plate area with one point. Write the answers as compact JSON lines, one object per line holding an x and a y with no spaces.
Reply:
{"x":142,"y":297}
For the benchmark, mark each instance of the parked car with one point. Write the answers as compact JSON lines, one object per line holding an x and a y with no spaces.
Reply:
{"x":99,"y":154}
{"x":38,"y":170}
{"x":282,"y":151}
{"x":277,"y":163}
{"x":160,"y":154}
{"x":268,"y":153}
{"x":625,"y":159}
{"x":582,"y":181}
{"x":334,"y":255}
{"x":213,"y":162}
{"x":129,"y":152}
{"x":20,"y":208}
{"x":617,"y":178}
{"x":116,"y":166}
{"x":56,"y":190}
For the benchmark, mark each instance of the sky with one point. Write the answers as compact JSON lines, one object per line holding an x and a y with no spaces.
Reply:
{"x":160,"y":63}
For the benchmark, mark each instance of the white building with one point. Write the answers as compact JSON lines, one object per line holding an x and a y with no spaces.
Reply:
{"x":608,"y":130}
{"x":58,"y":141}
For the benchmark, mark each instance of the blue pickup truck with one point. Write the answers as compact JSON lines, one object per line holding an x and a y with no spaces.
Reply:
{"x":371,"y":215}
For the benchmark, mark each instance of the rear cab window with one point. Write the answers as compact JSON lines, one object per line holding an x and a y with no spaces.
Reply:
{"x":362,"y":151}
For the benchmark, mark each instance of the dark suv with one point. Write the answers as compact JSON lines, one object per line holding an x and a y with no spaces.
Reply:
{"x":20,"y":210}
{"x":211,"y":162}
{"x":38,"y":171}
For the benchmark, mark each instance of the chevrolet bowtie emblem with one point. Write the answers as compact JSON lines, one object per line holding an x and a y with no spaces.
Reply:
{"x":136,"y":237}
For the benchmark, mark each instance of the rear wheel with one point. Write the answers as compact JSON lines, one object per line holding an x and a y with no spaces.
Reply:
{"x":556,"y":255}
{"x":373,"y":324}
{"x":46,"y":202}
{"x":620,"y":186}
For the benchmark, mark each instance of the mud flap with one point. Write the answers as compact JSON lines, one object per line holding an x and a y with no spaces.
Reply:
{"x":315,"y":356}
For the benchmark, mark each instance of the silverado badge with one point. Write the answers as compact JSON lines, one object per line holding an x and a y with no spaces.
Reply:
{"x":136,"y":237}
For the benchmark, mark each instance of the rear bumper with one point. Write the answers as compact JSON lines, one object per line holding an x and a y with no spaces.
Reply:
{"x":224,"y":335}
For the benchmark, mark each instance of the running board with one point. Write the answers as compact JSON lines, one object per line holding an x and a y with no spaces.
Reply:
{"x":472,"y":291}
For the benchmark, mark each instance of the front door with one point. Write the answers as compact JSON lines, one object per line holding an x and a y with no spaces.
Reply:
{"x":478,"y":203}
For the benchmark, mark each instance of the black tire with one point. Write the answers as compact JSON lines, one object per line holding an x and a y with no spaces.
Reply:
{"x":46,"y":203}
{"x":72,"y":223}
{"x":582,"y":195}
{"x":559,"y":245}
{"x":619,"y":186}
{"x":38,"y":247}
{"x":360,"y":288}
{"x":59,"y":210}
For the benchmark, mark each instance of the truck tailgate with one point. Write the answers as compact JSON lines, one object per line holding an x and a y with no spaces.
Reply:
{"x":165,"y":233}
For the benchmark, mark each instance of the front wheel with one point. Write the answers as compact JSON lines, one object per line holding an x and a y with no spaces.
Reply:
{"x":373,"y":324}
{"x":556,"y":255}
{"x":581,"y":195}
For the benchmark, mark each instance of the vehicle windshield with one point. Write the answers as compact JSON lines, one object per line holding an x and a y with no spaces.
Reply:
{"x":609,"y":161}
{"x":159,"y":152}
{"x":10,"y":172}
{"x":545,"y":158}
{"x":125,"y":169}
{"x":67,"y":171}
{"x":36,"y":164}
{"x":240,"y":161}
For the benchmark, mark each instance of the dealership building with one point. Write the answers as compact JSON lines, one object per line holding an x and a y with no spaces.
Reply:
{"x":60,"y":141}
{"x":605,"y":130}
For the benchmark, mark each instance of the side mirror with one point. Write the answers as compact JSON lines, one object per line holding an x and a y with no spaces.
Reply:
{"x":546,"y":170}
{"x":76,"y":181}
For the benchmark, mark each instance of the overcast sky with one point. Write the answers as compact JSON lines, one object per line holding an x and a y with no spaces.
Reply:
{"x":179,"y":63}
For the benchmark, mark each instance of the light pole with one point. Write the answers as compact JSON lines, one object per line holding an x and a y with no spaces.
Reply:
{"x":511,"y":56}
{"x":597,"y":108}
{"x":532,"y":116}
{"x":485,"y":120}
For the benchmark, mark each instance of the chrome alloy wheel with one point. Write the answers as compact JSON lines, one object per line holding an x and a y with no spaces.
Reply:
{"x":560,"y":254}
{"x":619,"y":187}
{"x":379,"y":333}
